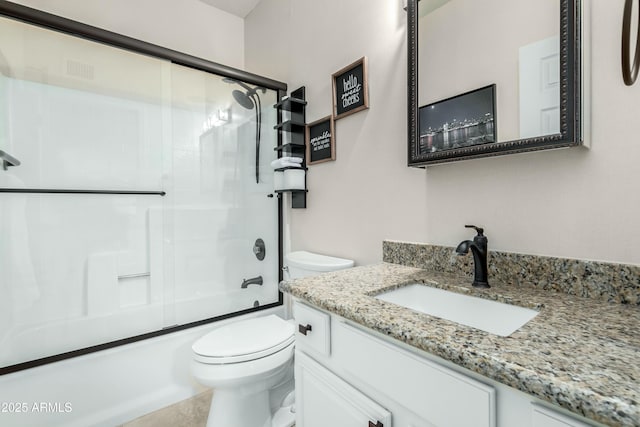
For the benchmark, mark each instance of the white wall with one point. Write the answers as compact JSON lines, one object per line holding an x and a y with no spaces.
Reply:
{"x":188,"y":26}
{"x":574,"y":203}
{"x":368,"y":193}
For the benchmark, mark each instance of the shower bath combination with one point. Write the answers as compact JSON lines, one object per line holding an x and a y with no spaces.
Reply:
{"x":146,"y":174}
{"x":147,"y":237}
{"x":250,"y":99}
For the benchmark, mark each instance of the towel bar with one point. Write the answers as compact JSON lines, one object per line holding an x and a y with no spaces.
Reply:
{"x":57,"y":191}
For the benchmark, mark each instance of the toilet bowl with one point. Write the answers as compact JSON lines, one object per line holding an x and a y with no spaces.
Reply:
{"x":242,"y":362}
{"x":245,"y":361}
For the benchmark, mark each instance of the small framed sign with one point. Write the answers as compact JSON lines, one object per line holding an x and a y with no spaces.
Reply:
{"x":350,"y":89}
{"x":320,"y":141}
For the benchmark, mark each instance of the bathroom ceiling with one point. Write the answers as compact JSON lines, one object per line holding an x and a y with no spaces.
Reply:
{"x":240,"y":8}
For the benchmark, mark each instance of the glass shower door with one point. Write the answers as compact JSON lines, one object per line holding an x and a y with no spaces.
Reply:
{"x":85,"y":120}
{"x":219,"y":197}
{"x":141,"y":193}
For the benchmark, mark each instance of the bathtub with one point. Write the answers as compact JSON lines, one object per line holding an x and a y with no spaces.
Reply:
{"x":108,"y":387}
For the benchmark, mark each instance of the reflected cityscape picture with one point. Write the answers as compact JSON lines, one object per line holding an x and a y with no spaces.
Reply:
{"x":460,"y":121}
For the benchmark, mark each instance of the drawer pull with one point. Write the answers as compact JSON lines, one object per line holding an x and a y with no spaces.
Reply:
{"x":303,"y":329}
{"x":377,"y":424}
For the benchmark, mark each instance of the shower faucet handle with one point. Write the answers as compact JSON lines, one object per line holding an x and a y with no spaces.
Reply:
{"x":259,"y":249}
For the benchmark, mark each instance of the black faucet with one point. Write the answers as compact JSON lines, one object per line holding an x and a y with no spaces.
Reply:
{"x":252,"y":281}
{"x":479,"y":249}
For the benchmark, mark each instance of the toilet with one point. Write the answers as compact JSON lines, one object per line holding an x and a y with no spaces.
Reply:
{"x":245,"y":361}
{"x":303,"y":264}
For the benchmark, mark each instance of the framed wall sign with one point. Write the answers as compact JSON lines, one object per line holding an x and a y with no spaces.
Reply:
{"x":320,"y":141}
{"x":350,"y":89}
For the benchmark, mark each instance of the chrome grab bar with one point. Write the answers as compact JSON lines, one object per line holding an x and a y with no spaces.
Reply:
{"x":133,"y":276}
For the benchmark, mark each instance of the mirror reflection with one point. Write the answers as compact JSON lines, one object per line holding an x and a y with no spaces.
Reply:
{"x":489,"y":71}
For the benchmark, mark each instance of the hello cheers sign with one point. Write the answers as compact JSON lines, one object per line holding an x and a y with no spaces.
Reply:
{"x":350,"y":89}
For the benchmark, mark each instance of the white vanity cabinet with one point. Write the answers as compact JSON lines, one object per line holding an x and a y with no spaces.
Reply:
{"x":349,"y":376}
{"x":323,"y":399}
{"x":359,"y":380}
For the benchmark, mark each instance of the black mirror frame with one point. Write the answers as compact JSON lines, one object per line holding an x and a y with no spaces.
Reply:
{"x":570,"y":96}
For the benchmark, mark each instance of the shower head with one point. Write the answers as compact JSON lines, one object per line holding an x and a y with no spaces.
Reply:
{"x":238,"y":82}
{"x":249,"y":98}
{"x":243,"y":98}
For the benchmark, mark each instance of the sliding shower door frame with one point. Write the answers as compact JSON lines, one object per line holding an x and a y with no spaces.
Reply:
{"x":78,"y":29}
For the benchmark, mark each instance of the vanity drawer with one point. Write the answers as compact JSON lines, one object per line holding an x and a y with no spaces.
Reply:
{"x":312,"y":329}
{"x":439,"y":395}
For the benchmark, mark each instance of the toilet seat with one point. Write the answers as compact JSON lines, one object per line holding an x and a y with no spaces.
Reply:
{"x":243,"y":341}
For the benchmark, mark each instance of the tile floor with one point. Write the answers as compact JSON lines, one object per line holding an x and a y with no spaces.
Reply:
{"x":191,"y":412}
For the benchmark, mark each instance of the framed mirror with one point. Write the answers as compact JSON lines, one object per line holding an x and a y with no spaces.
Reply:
{"x":492,"y":77}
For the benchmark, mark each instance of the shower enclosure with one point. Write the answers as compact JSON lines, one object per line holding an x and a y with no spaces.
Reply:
{"x":136,"y":196}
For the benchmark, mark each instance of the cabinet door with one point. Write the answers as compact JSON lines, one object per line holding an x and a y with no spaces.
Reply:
{"x":544,"y":417}
{"x":438,"y":395}
{"x":325,"y":400}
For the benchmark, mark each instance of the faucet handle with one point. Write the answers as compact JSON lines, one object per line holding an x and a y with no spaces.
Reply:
{"x":480,"y":230}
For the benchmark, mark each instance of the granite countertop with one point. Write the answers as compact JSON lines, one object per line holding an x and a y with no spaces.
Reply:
{"x":579,"y":353}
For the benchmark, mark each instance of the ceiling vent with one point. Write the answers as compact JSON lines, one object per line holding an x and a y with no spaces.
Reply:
{"x":80,"y":70}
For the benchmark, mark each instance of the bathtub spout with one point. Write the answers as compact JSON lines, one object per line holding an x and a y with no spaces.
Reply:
{"x":252,"y":281}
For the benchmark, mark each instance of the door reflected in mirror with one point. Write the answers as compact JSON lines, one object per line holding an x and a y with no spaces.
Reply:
{"x":512,"y":44}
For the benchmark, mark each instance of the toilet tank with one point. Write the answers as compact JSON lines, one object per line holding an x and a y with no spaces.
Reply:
{"x":303,"y":263}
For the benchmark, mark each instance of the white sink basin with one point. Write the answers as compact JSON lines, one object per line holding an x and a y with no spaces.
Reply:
{"x":490,"y":316}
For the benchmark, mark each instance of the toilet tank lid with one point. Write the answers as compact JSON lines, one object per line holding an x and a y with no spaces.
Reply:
{"x":316,"y":262}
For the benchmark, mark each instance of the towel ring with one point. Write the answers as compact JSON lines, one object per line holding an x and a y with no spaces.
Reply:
{"x":629,"y":71}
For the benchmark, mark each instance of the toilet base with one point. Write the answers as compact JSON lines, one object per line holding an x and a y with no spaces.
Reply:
{"x":284,"y":417}
{"x":228,"y":409}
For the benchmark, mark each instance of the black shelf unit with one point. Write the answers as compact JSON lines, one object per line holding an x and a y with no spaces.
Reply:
{"x":291,"y":103}
{"x":295,"y":126}
{"x":290,"y":167}
{"x":291,"y":191}
{"x":290,"y":126}
{"x":291,"y":147}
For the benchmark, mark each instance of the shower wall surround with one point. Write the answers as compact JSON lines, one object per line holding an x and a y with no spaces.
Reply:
{"x":80,"y":270}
